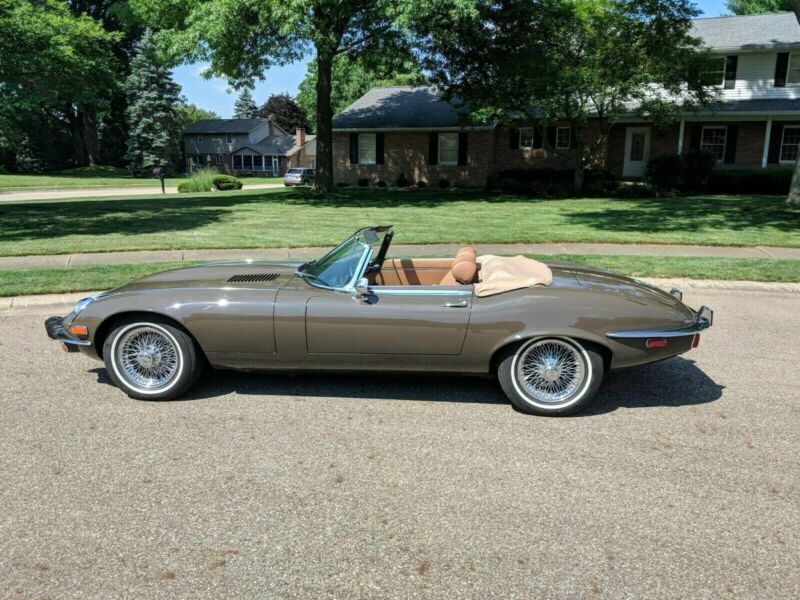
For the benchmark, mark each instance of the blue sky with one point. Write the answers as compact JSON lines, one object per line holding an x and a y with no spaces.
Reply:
{"x":213,"y":94}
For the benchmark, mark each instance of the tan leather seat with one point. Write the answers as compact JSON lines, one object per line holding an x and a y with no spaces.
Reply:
{"x":464,"y":269}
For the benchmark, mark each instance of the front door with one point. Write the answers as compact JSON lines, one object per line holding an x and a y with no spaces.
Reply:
{"x":637,"y":151}
{"x":275,"y":167}
{"x":390,"y":320}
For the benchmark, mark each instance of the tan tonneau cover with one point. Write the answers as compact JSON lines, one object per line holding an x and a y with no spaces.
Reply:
{"x":500,"y":274}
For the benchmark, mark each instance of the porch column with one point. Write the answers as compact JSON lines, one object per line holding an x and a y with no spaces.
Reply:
{"x":765,"y":153}
{"x":680,"y":136}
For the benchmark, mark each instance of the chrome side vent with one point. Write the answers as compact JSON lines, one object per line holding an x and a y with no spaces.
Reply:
{"x":254,"y":277}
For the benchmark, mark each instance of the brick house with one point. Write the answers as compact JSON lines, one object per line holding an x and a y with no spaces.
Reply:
{"x":247,"y":147}
{"x":755,"y":123}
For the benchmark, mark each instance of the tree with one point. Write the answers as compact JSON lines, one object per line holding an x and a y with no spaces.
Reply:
{"x":152,"y":117}
{"x":187,"y":113}
{"x":352,"y":78}
{"x":595,"y":59}
{"x":288,"y":114}
{"x":242,"y":39}
{"x":755,"y":7}
{"x":245,"y":107}
{"x":54,"y":62}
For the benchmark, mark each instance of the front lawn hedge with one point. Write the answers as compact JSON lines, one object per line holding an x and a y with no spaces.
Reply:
{"x":772,"y":180}
{"x":226,"y":182}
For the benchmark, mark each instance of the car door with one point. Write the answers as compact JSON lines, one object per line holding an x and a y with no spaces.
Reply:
{"x":409,"y":320}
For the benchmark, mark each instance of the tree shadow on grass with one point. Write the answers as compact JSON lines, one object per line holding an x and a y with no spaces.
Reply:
{"x":675,"y":382}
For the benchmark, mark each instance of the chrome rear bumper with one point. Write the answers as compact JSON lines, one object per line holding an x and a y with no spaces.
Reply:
{"x":703,"y":319}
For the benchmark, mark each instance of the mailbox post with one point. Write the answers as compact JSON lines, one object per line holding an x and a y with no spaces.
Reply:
{"x":159,"y":172}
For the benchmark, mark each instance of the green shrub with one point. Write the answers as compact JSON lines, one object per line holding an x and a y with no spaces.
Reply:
{"x":202,"y":180}
{"x":422,"y":184}
{"x":697,"y":167}
{"x":226,"y":182}
{"x":773,"y":180}
{"x":665,"y":170}
{"x":381,"y":183}
{"x":444,"y":184}
{"x":363,"y":182}
{"x":402,"y":181}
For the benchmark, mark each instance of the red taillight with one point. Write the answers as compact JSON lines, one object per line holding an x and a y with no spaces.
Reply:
{"x":696,"y":340}
{"x":655,"y":343}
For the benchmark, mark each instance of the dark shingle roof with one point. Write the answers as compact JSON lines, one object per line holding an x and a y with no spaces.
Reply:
{"x":273,"y":144}
{"x":748,"y":31}
{"x":775,"y":105}
{"x":400,"y":107}
{"x":224,"y":126}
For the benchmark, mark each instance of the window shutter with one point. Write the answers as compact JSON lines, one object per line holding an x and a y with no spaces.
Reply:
{"x":353,"y":148}
{"x":572,"y":143}
{"x":433,"y":148}
{"x":462,"y":148}
{"x":781,"y":66}
{"x":730,"y":144}
{"x":378,"y":148}
{"x":694,"y":138}
{"x":513,"y":138}
{"x":550,"y":132}
{"x":731,"y":63}
{"x":776,"y":135}
{"x":537,"y":137}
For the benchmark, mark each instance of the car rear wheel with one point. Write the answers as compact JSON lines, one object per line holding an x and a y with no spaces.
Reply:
{"x":551,"y":376}
{"x":151,"y":359}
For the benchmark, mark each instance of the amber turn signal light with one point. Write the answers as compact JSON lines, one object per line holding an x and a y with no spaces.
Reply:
{"x":79,"y":330}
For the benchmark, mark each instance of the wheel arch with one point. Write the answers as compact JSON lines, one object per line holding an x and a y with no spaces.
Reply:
{"x":511,"y":346}
{"x":107,"y":325}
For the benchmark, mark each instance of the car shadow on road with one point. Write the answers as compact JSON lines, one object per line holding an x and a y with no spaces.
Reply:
{"x":675,"y":382}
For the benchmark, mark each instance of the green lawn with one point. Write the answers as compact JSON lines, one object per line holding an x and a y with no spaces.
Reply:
{"x":15,"y":282}
{"x":93,"y":177}
{"x":295,"y":217}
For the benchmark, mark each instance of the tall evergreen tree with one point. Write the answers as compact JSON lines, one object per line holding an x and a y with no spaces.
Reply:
{"x":152,"y":103}
{"x":245,"y":107}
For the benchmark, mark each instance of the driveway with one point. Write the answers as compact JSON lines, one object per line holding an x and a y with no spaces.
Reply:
{"x":101,"y":192}
{"x":681,"y":481}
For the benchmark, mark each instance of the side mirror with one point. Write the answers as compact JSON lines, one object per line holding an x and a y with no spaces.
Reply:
{"x":362,"y":287}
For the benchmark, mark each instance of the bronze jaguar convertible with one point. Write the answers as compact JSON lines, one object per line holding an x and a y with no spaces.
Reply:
{"x":549,"y":331}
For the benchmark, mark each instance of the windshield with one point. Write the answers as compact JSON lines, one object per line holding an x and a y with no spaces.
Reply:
{"x":294,"y":171}
{"x":337,"y":269}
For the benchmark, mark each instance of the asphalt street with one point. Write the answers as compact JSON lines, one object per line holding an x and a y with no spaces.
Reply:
{"x":682,"y":480}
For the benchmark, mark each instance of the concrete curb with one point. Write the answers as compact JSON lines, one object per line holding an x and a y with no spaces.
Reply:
{"x":61,"y":304}
{"x":146,"y":256}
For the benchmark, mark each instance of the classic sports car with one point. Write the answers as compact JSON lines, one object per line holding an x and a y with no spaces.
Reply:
{"x":549,"y":331}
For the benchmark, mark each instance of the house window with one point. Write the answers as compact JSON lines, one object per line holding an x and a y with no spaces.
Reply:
{"x":258,"y":164}
{"x":716,"y":72}
{"x":228,"y":138}
{"x":790,"y":144}
{"x":563,"y":138}
{"x":448,"y":149}
{"x":248,"y":162}
{"x":218,"y":159}
{"x":366,"y":149}
{"x":237,"y":161}
{"x":199,"y":139}
{"x":793,"y":72}
{"x":526,"y":137}
{"x":713,"y":141}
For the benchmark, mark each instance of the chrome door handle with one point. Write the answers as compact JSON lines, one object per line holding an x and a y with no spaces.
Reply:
{"x":460,"y":304}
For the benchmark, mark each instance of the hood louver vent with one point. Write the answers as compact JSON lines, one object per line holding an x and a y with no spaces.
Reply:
{"x":254,"y":277}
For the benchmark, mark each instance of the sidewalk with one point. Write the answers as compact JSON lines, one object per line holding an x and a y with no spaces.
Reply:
{"x":117,"y":258}
{"x":101,"y":192}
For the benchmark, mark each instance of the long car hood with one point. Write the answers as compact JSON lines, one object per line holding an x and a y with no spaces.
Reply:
{"x":250,"y":274}
{"x":611,"y":283}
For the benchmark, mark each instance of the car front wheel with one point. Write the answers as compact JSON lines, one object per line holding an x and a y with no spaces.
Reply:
{"x":151,"y":359}
{"x":551,"y":376}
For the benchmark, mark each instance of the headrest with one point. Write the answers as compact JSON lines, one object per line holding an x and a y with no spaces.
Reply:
{"x":464,"y":272}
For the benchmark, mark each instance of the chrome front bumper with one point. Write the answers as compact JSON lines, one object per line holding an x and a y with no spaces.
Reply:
{"x":703,"y":319}
{"x":56,"y":331}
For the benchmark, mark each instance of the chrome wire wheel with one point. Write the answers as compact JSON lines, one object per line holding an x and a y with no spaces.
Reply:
{"x":147,"y":357}
{"x":552,"y":372}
